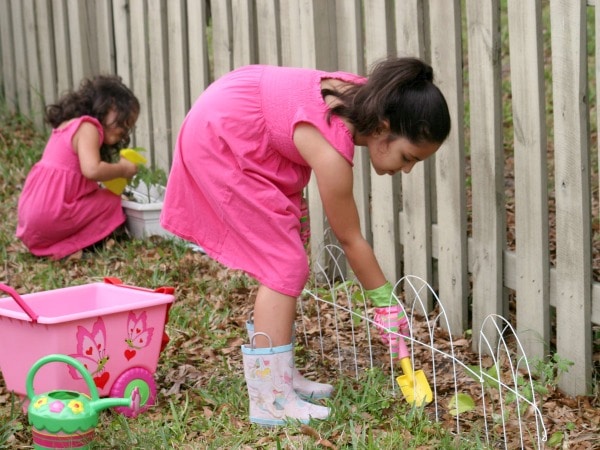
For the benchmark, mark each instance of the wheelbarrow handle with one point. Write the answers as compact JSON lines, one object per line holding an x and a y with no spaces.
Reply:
{"x":17,"y":298}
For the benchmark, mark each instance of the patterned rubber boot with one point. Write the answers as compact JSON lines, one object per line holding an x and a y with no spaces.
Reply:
{"x":268,"y":373}
{"x":304,"y":387}
{"x":392,"y":324}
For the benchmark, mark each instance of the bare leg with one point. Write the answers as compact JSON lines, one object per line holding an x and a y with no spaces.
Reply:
{"x":274,"y":314}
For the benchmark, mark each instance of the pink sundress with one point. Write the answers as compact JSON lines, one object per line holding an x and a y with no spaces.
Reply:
{"x":237,"y":178}
{"x":60,"y":211}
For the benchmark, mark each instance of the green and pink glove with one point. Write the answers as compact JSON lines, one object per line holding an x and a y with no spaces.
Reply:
{"x":389,"y":316}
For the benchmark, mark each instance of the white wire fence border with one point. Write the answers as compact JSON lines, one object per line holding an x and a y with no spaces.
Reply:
{"x":333,"y":278}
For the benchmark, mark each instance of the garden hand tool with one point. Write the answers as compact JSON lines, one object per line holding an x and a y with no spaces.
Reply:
{"x":392,"y":324}
{"x":413,"y":384}
{"x":117,"y":185}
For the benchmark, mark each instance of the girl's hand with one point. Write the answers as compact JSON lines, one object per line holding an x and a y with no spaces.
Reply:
{"x":129,"y":169}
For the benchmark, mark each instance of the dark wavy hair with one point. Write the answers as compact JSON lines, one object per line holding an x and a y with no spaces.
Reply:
{"x":96,"y":97}
{"x":400,"y":91}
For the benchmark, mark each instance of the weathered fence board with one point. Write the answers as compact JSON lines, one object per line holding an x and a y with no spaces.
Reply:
{"x":198,"y":54}
{"x":23,"y":91}
{"x":446,"y":57}
{"x":62,"y":52}
{"x":122,"y":40}
{"x":81,"y":32}
{"x":45,"y":36}
{"x":244,"y":32}
{"x":158,"y":23}
{"x":33,"y":69}
{"x":572,"y":190}
{"x":140,"y":72}
{"x":221,"y":36}
{"x":268,"y":27}
{"x":9,"y":82}
{"x":385,"y":198}
{"x":105,"y":36}
{"x":168,"y":51}
{"x":415,"y":219}
{"x":487,"y":160}
{"x":178,"y":73}
{"x":531,"y":175}
{"x":351,"y":59}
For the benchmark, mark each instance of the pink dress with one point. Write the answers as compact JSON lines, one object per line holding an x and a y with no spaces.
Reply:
{"x":237,"y":178}
{"x":60,"y":211}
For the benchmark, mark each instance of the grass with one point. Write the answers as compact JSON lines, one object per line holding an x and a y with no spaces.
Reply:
{"x":202,"y":401}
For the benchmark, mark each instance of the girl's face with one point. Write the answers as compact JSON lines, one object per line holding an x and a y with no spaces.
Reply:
{"x":113,"y":132}
{"x":391,"y":155}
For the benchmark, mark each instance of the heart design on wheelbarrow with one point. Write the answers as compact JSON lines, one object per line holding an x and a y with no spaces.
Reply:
{"x":101,"y":380}
{"x":129,"y":354}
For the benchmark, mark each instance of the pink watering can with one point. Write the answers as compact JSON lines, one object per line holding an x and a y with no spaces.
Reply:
{"x":67,"y":419}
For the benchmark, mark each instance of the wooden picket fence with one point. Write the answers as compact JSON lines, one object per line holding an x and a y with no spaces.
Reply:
{"x":445,"y":222}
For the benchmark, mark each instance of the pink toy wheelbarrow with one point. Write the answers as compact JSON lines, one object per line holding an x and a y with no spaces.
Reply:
{"x":116,"y":331}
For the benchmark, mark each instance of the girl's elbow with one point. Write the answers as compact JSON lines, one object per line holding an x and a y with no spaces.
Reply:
{"x":90,"y":174}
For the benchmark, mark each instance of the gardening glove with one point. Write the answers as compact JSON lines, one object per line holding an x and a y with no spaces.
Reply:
{"x":304,"y":223}
{"x":389,"y":316}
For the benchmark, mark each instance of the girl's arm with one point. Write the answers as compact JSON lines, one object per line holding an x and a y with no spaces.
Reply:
{"x":86,"y":143}
{"x":334,"y":180}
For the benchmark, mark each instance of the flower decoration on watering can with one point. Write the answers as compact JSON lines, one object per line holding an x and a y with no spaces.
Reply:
{"x":64,"y":418}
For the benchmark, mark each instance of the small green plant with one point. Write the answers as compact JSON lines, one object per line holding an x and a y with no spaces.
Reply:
{"x":150,"y":178}
{"x":549,"y":371}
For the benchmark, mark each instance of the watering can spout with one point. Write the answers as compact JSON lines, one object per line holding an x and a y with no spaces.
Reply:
{"x":132,"y":402}
{"x":105,"y":403}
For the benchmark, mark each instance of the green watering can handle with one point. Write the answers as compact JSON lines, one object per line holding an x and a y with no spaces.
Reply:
{"x":67,"y":360}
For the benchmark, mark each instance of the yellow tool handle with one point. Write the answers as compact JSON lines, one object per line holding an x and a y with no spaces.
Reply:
{"x":407,"y":367}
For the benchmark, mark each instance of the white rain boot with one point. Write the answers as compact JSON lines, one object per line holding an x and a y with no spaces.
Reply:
{"x":268,"y":373}
{"x":304,"y":387}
